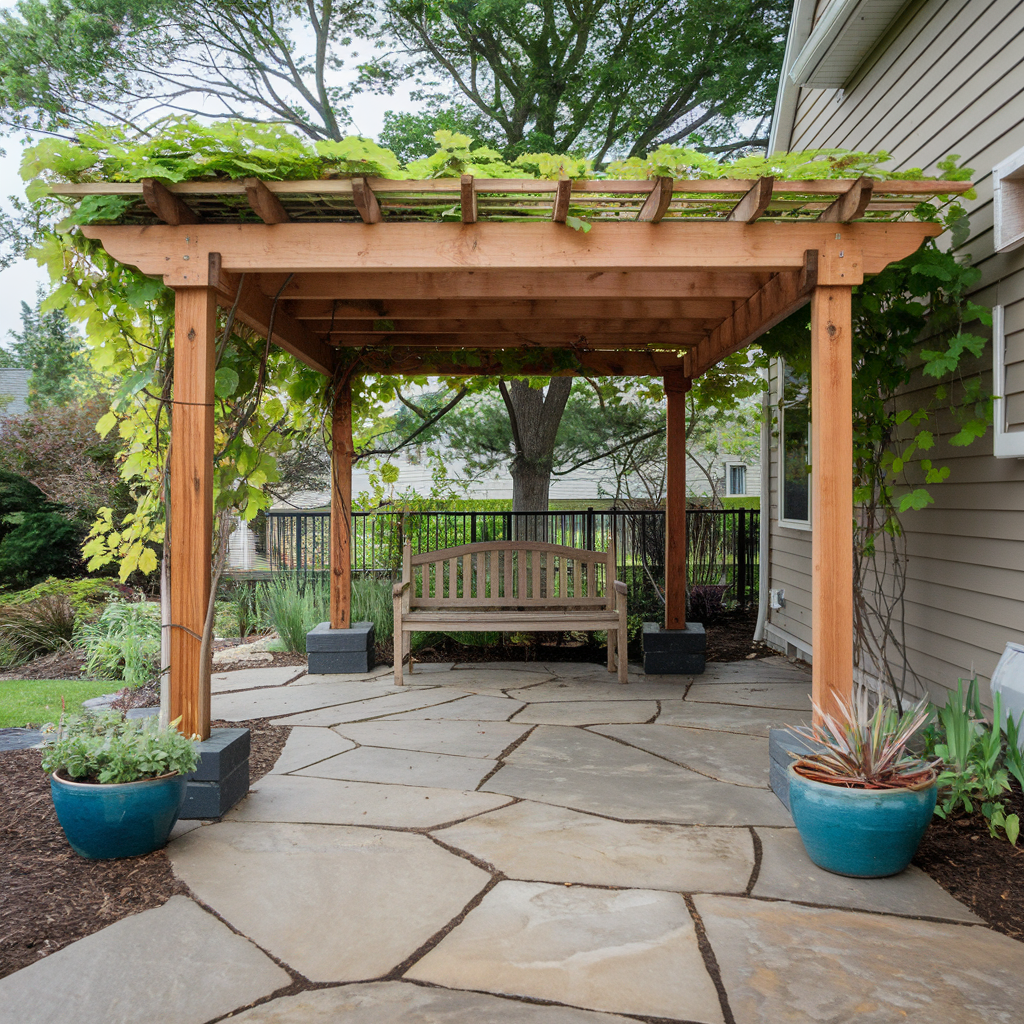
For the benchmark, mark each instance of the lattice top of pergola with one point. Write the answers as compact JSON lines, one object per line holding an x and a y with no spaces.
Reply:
{"x":485,"y":276}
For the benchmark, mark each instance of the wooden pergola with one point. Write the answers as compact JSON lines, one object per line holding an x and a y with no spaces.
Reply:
{"x":444,"y":276}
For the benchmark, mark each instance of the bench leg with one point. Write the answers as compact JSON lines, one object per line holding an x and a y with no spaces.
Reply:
{"x":407,"y":654}
{"x":612,"y":634}
{"x":398,"y":648}
{"x":623,"y":646}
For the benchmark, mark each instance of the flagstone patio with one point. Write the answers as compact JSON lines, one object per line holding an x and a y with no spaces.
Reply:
{"x":523,"y":844}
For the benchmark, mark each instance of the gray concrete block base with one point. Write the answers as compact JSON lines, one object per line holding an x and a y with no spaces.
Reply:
{"x":221,"y":778}
{"x":330,"y":651}
{"x":674,"y":651}
{"x":780,"y":743}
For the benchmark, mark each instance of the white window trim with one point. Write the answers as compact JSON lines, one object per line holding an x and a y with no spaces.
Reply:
{"x":1010,"y":169}
{"x":729,"y":466}
{"x":1006,"y":444}
{"x":789,"y":524}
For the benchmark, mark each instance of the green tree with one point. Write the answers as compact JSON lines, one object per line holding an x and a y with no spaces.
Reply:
{"x":49,"y":346}
{"x":603,"y":78}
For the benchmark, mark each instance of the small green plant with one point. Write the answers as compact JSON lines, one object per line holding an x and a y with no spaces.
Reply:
{"x":243,"y":607}
{"x":372,"y":602}
{"x":106,"y":749}
{"x":976,"y":776}
{"x":864,"y":749}
{"x":87,"y":595}
{"x":35,"y":627}
{"x":123,"y":643}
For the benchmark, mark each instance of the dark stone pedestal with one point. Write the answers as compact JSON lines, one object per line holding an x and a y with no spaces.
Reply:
{"x":674,"y":652}
{"x":780,"y":743}
{"x":221,"y":778}
{"x":332,"y":651}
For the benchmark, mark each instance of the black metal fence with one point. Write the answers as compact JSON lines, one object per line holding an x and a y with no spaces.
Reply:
{"x":722,"y":544}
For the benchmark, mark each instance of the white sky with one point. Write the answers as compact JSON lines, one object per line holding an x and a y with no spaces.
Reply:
{"x":20,"y":281}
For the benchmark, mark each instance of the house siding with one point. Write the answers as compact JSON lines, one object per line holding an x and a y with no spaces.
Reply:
{"x":948,"y":78}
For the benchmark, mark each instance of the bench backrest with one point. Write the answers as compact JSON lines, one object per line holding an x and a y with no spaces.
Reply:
{"x":510,"y":574}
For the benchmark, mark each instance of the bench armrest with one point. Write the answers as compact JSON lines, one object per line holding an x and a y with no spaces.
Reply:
{"x":621,"y":588}
{"x":399,"y":588}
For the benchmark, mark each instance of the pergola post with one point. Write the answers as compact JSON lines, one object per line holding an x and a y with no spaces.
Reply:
{"x":676,"y":387}
{"x":190,"y":516}
{"x":832,"y":495}
{"x":341,"y":508}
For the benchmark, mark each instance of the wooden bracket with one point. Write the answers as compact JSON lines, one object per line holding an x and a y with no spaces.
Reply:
{"x":809,"y":275}
{"x":266,"y":205}
{"x":851,"y":204}
{"x":468,"y":199}
{"x":563,"y":191}
{"x":221,"y":280}
{"x":166,"y":205}
{"x":676,"y":382}
{"x":656,"y":204}
{"x":366,"y":201}
{"x":754,"y":203}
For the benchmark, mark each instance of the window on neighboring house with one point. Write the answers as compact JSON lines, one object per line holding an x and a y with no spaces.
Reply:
{"x":794,"y":447}
{"x":1008,"y":202}
{"x":736,"y":479}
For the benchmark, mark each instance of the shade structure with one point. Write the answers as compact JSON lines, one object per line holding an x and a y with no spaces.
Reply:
{"x":361,"y":276}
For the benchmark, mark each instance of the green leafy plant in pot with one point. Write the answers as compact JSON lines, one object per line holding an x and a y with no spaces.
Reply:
{"x":861,"y":801}
{"x":118,"y":785}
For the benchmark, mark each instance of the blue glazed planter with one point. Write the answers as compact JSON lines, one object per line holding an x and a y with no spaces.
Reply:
{"x":124,"y":819}
{"x":863,"y":833}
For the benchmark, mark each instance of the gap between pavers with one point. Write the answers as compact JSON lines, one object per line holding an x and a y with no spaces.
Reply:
{"x":438,"y":736}
{"x":402,"y":767}
{"x":175,"y":964}
{"x":255,"y":678}
{"x":781,"y":696}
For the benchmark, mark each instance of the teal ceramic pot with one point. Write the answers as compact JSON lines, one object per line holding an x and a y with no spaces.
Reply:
{"x":863,"y":833}
{"x":124,"y":819}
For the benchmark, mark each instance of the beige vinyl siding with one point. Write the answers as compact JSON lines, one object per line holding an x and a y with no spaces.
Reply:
{"x":951,"y":80}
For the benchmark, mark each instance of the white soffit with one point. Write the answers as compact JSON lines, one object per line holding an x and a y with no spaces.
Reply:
{"x":845,"y":34}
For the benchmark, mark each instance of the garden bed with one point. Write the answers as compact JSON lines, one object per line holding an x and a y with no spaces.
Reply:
{"x":984,"y":873}
{"x":51,"y":896}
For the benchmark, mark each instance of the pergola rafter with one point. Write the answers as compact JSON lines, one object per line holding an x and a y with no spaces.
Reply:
{"x":359,"y":274}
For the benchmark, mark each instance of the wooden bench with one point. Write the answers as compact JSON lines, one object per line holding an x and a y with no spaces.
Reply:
{"x":509,"y":586}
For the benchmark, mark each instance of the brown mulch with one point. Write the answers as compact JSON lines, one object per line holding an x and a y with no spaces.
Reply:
{"x":277,"y":658}
{"x":731,"y":638}
{"x":65,"y":664}
{"x":984,"y":873}
{"x":51,"y":896}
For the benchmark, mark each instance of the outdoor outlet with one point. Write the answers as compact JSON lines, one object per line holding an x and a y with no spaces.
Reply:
{"x":777,"y":599}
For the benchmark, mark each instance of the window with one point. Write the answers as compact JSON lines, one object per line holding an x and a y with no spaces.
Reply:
{"x":736,"y":479}
{"x":1008,"y":410}
{"x":1008,"y":202}
{"x":794,"y":448}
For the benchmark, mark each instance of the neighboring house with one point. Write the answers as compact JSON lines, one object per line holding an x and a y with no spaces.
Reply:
{"x":14,"y":392}
{"x":922,"y":80}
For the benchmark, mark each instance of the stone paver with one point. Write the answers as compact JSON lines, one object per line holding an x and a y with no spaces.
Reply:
{"x":468,"y":739}
{"x":578,"y":769}
{"x":308,"y":746}
{"x":301,"y":799}
{"x":289,"y":700}
{"x":252,"y":678}
{"x":727,"y":717}
{"x":385,"y":673}
{"x":403,"y":768}
{"x":587,"y":712}
{"x":471,"y":708}
{"x":603,"y":688}
{"x":176,"y":964}
{"x":631,"y":951}
{"x":757,"y":670}
{"x":495,"y":681}
{"x":787,"y":873}
{"x":788,"y":696}
{"x":335,"y":903}
{"x":378,"y":704}
{"x":796,"y":965}
{"x":396,"y":1002}
{"x":535,"y":842}
{"x":728,"y":757}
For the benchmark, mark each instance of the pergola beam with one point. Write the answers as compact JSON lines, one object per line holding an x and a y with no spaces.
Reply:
{"x":770,"y":305}
{"x":754,"y":203}
{"x":467,"y":199}
{"x":168,"y":207}
{"x":473,"y":363}
{"x":339,"y":311}
{"x":534,"y":339}
{"x":636,"y":331}
{"x":264,"y":203}
{"x":656,"y":204}
{"x":366,"y":202}
{"x":851,"y":204}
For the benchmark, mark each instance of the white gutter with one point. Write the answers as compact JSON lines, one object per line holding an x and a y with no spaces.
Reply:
{"x":800,"y":24}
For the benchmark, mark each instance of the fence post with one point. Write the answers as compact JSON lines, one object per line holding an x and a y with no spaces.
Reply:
{"x":741,"y":583}
{"x":590,"y":528}
{"x":298,"y":521}
{"x":472,"y":528}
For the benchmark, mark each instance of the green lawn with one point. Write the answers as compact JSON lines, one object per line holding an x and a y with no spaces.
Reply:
{"x":37,"y":701}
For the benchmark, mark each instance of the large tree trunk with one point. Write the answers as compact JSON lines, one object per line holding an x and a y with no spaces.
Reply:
{"x":535,"y":416}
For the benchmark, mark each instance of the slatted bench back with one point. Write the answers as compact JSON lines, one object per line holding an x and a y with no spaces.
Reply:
{"x":510,"y":574}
